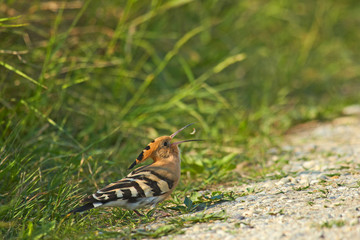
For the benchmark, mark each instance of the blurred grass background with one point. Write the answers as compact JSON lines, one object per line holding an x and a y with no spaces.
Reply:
{"x":85,"y":85}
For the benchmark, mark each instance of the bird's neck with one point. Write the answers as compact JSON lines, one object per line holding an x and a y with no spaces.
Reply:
{"x":171,"y":162}
{"x":171,"y":165}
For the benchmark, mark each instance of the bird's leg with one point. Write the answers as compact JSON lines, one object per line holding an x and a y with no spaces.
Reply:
{"x":137,"y":213}
{"x":159,"y":213}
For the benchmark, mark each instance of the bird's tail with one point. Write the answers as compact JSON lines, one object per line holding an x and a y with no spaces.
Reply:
{"x":82,"y":208}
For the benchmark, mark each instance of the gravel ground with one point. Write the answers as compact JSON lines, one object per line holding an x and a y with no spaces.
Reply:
{"x":318,"y":199}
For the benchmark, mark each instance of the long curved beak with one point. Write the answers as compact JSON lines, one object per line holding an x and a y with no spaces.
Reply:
{"x":174,"y":134}
{"x":192,"y":140}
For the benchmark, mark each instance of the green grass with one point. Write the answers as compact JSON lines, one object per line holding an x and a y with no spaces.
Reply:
{"x":333,"y":223}
{"x":85,"y":85}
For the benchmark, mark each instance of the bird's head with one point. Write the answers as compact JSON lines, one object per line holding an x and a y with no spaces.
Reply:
{"x":161,"y":147}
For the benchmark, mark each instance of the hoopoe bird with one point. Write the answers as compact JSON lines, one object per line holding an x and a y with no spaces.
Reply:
{"x":145,"y":186}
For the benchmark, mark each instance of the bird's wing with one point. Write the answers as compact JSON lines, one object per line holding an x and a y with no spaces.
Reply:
{"x":139,"y":184}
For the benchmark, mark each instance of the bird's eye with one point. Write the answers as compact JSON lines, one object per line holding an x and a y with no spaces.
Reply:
{"x":165,"y":143}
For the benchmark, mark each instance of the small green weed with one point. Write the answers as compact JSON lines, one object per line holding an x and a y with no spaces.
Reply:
{"x":301,"y":188}
{"x":197,"y":201}
{"x":325,"y":193}
{"x":333,"y":223}
{"x":310,"y":203}
{"x":333,"y":174}
{"x":280,"y":212}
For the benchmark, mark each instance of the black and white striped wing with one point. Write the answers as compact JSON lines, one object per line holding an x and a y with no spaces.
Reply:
{"x":139,"y":189}
{"x":152,"y":182}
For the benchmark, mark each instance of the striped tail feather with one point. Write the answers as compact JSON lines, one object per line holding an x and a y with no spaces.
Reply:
{"x":83,"y":208}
